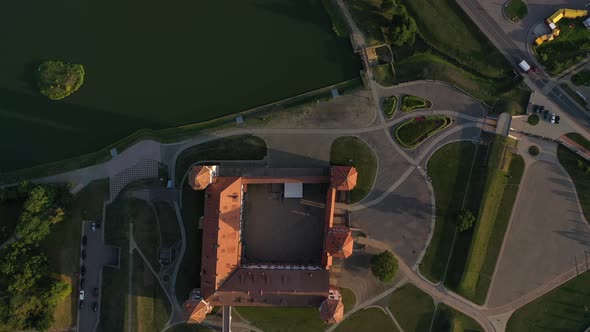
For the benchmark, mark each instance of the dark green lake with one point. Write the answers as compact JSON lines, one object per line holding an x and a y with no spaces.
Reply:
{"x":154,"y":64}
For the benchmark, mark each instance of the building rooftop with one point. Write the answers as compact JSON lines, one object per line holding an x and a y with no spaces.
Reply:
{"x":343,"y":177}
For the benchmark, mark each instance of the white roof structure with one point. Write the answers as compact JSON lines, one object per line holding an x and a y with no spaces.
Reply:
{"x":293,"y":190}
{"x":587,"y":23}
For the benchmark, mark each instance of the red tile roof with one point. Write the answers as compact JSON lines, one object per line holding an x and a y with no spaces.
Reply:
{"x":339,"y":242}
{"x":221,"y":247}
{"x":199,"y":177}
{"x":196,"y":312}
{"x":343,"y":177}
{"x":332,"y":311}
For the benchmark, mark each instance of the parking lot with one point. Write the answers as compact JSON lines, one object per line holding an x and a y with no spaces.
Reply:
{"x":97,"y":255}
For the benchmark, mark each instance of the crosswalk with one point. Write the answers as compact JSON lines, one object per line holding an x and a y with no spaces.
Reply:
{"x":548,"y":86}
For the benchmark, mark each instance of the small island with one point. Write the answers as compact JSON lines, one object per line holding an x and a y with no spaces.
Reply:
{"x":57,"y":80}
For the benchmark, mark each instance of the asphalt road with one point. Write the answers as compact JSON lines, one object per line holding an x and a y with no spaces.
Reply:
{"x":97,"y":255}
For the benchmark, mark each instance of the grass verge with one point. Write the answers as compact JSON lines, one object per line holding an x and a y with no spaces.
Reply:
{"x":384,"y":75}
{"x":578,"y":169}
{"x":504,"y":172}
{"x":449,"y":319}
{"x":389,"y":107}
{"x":300,"y":319}
{"x":514,"y":102}
{"x":372,"y":318}
{"x":415,"y":131}
{"x":516,"y":10}
{"x":412,"y":308}
{"x":581,"y":78}
{"x":338,"y":23}
{"x":565,"y":308}
{"x":352,"y":151}
{"x":146,"y":231}
{"x":348,"y":299}
{"x":64,"y":258}
{"x":579,"y":139}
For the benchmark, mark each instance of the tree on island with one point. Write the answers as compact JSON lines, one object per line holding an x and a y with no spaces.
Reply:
{"x":465,"y":220}
{"x":57,"y":80}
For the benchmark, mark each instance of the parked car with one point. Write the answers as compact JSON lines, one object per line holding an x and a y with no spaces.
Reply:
{"x":81,"y":295}
{"x":81,"y":304}
{"x":82,"y":282}
{"x":541,"y":108}
{"x":84,"y":240}
{"x":557,"y":118}
{"x":552,"y":118}
{"x":95,"y":307}
{"x":93,"y":226}
{"x":95,"y":291}
{"x":83,"y":270}
{"x":98,"y":224}
{"x":84,"y":254}
{"x":546,"y":115}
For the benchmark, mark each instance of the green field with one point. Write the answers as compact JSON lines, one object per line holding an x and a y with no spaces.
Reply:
{"x":371,"y":319}
{"x":581,"y":78}
{"x":578,"y":170}
{"x":154,"y":65}
{"x":451,"y":168}
{"x":352,"y":151}
{"x":348,"y":298}
{"x":504,"y":172}
{"x":412,"y":308}
{"x":566,"y":308}
{"x":277,"y":319}
{"x":451,"y":320}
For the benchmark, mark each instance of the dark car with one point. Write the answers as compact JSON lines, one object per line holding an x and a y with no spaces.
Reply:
{"x":81,"y":304}
{"x":84,"y":240}
{"x":536,"y":108}
{"x":98,"y":224}
{"x":95,"y":291}
{"x":557,"y":118}
{"x":546,"y":115}
{"x":541,"y":108}
{"x":82,"y":283}
{"x":83,"y":270}
{"x":95,"y":307}
{"x":84,"y":254}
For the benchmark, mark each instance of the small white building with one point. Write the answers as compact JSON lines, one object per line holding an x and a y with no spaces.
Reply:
{"x":293,"y":190}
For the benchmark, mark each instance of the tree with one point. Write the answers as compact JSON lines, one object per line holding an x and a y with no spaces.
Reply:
{"x":403,"y":28}
{"x":386,"y":5}
{"x":465,"y":220}
{"x":384,"y":266}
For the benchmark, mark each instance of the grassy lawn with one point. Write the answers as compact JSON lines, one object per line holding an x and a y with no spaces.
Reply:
{"x":514,"y":102}
{"x":300,"y":319}
{"x":568,"y":89}
{"x":504,"y":172}
{"x":389,"y":106}
{"x":371,"y":319}
{"x":578,"y":169}
{"x":239,"y":147}
{"x":581,"y":78}
{"x":516,"y":10}
{"x":449,"y":319}
{"x":579,"y":139}
{"x":449,"y":168}
{"x":146,"y":231}
{"x":412,"y":103}
{"x":566,"y":308}
{"x":413,"y":132}
{"x":64,"y":258}
{"x":444,"y":25}
{"x":430,"y":66}
{"x":566,"y":50}
{"x":412,"y":308}
{"x":352,"y":151}
{"x":348,"y":299}
{"x":150,"y":305}
{"x":384,"y":75}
